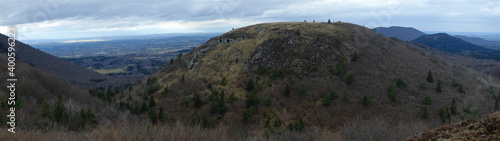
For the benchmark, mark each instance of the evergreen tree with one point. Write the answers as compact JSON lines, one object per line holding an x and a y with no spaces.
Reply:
{"x":349,"y":79}
{"x":430,"y":79}
{"x":453,"y":107}
{"x":461,"y":88}
{"x":400,"y":83}
{"x":427,"y":100}
{"x":497,"y":103}
{"x":60,"y":113}
{"x":44,"y":120}
{"x":329,"y":21}
{"x":232,"y":97}
{"x":327,"y":100}
{"x":171,"y":60}
{"x":161,"y":116}
{"x":197,"y":100}
{"x":298,"y":126}
{"x":85,"y":120}
{"x":250,"y":85}
{"x":391,"y":92}
{"x":152,"y":116}
{"x":287,"y":90}
{"x":439,"y":86}
{"x":45,"y":111}
{"x":223,"y":82}
{"x":219,"y":106}
{"x":144,"y":108}
{"x":425,"y":113}
{"x":367,"y":101}
{"x":152,"y":102}
{"x":444,"y":113}
{"x":303,"y":90}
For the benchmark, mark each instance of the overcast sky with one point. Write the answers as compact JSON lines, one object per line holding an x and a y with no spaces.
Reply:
{"x":54,"y":19}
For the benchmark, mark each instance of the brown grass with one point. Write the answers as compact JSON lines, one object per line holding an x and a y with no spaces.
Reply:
{"x":179,"y":131}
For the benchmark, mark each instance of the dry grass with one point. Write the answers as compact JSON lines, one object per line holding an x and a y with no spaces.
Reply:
{"x":177,"y":132}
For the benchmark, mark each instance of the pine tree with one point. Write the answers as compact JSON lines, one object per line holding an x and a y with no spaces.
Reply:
{"x":391,"y":92}
{"x":298,"y":126}
{"x":152,"y":102}
{"x":287,"y":90}
{"x":303,"y":90}
{"x":439,"y":86}
{"x":400,"y":83}
{"x":327,"y":100}
{"x":144,"y":108}
{"x":497,"y":103}
{"x":152,"y":116}
{"x":44,"y":120}
{"x":329,"y":21}
{"x":250,"y":85}
{"x":161,"y":116}
{"x":367,"y":101}
{"x":45,"y":111}
{"x":219,"y":106}
{"x":197,"y":100}
{"x":232,"y":97}
{"x":86,"y":119}
{"x":427,"y":100}
{"x":60,"y":113}
{"x":430,"y":79}
{"x":349,"y":79}
{"x":453,"y":107}
{"x":425,"y":113}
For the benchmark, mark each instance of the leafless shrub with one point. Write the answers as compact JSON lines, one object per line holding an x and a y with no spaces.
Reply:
{"x":382,"y":129}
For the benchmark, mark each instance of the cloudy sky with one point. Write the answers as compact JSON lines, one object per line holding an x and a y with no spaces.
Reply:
{"x":55,"y":19}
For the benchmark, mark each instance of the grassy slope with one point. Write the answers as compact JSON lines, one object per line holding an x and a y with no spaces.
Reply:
{"x":323,"y":46}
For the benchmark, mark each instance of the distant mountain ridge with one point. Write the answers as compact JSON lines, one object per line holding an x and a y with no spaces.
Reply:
{"x":402,"y":33}
{"x":480,"y":42}
{"x":448,"y":43}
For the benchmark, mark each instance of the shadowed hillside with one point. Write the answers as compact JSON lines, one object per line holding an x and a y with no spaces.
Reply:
{"x":64,"y":69}
{"x":35,"y":86}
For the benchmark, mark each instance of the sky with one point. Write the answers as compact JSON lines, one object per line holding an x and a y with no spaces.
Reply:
{"x":61,"y":19}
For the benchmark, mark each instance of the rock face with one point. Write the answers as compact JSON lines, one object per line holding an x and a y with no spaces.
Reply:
{"x":487,"y":129}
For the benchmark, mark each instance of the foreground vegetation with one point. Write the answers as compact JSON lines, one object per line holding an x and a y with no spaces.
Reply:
{"x":133,"y":131}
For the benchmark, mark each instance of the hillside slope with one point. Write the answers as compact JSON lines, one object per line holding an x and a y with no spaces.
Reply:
{"x":64,"y":69}
{"x":35,"y":85}
{"x":292,"y":70}
{"x":402,"y":33}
